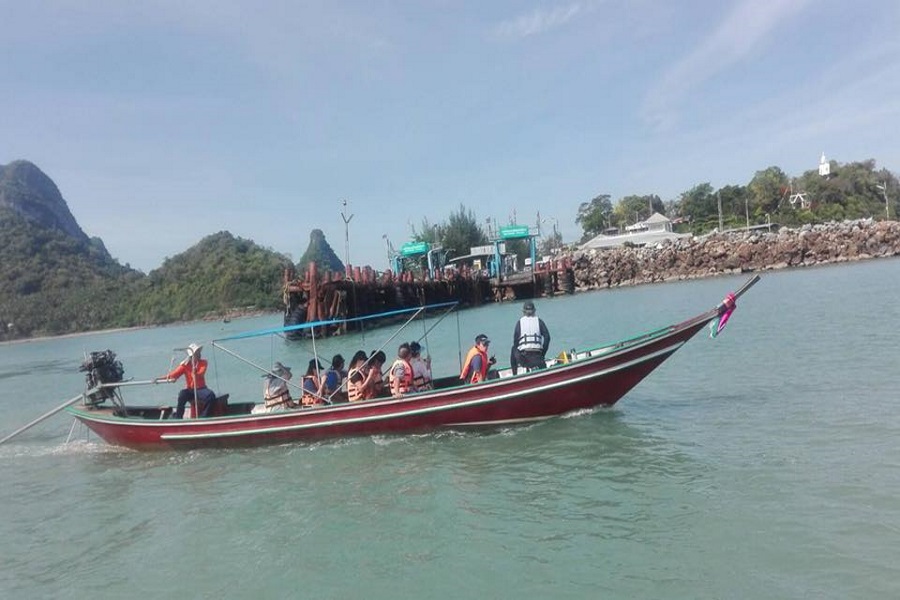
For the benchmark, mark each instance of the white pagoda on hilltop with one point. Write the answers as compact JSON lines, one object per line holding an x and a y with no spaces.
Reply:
{"x":824,"y":166}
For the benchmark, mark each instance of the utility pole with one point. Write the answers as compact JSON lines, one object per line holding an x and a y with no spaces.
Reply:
{"x":387,"y":244}
{"x":887,"y":208}
{"x":346,"y":239}
{"x":719,"y":202}
{"x":747,"y":211}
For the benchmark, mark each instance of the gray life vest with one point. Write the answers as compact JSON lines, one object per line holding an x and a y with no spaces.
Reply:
{"x":530,"y":338}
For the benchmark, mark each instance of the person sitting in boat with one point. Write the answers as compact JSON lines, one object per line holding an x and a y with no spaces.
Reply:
{"x":531,"y":339}
{"x":311,"y":385}
{"x":276,"y":395}
{"x":376,"y":365}
{"x":361,"y":378}
{"x":475,"y":368}
{"x":401,"y":373}
{"x":421,"y":368}
{"x":333,"y":383}
{"x":194,"y":370}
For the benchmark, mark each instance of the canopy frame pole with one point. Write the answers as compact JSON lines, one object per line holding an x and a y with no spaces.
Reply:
{"x":436,"y":323}
{"x":312,"y":331}
{"x":458,"y":342}
{"x":254,"y":365}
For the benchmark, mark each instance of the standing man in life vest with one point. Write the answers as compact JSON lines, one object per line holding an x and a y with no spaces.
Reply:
{"x":531,"y":339}
{"x":477,"y":363}
{"x":194,"y":370}
{"x":401,"y":374}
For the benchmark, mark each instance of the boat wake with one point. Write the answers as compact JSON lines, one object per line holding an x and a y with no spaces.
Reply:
{"x":581,"y":412}
{"x":74,"y":448}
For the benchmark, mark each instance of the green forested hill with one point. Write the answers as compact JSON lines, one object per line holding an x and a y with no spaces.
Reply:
{"x":52,"y":283}
{"x":25,"y":190}
{"x":54,"y":279}
{"x":221,"y":272}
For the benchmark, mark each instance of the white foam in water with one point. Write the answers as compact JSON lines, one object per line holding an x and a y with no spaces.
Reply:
{"x":78,"y":447}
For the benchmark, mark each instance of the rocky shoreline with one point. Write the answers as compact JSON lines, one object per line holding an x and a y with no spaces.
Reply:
{"x":735,"y":252}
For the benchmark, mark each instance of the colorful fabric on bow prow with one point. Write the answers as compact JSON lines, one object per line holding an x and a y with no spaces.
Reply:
{"x":725,"y":309}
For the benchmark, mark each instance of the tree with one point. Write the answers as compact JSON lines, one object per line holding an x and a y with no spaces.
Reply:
{"x":461,"y":232}
{"x":700,"y":205}
{"x":767,"y":188}
{"x":632,"y":209}
{"x":735,"y":201}
{"x":594,"y":216}
{"x":430,"y":233}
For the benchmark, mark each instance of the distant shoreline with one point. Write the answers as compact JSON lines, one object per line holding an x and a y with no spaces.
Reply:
{"x":718,"y":254}
{"x":734,"y":253}
{"x":64,"y":336}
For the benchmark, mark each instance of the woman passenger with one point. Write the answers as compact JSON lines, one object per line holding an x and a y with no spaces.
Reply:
{"x":332,"y":385}
{"x":360,"y":378}
{"x":312,"y":387}
{"x":376,"y":362}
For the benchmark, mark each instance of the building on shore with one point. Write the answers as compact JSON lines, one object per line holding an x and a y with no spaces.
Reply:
{"x":657,"y":228}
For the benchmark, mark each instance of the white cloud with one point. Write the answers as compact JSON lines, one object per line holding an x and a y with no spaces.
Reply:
{"x":539,"y":21}
{"x":743,"y":31}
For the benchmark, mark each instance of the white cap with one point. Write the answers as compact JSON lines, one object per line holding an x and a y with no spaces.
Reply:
{"x":194,"y":348}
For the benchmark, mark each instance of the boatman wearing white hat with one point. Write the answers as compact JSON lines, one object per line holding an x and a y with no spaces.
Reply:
{"x":194,"y":370}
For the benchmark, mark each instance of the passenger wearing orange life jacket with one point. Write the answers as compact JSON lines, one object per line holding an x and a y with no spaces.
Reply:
{"x":376,"y":362}
{"x":401,"y":374}
{"x":361,"y":378}
{"x":477,"y":363}
{"x":312,"y":387}
{"x":276,"y":395}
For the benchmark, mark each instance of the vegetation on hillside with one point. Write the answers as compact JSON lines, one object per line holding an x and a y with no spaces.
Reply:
{"x":220,"y":273}
{"x":53,"y":284}
{"x":319,"y":251}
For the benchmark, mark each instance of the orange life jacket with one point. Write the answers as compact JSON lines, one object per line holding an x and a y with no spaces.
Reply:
{"x":308,"y":398}
{"x":356,"y":390}
{"x":475,"y":376}
{"x":279,"y":399}
{"x":401,"y":385}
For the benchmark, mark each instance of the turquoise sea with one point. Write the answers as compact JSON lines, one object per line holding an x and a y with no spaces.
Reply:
{"x":762,"y":464}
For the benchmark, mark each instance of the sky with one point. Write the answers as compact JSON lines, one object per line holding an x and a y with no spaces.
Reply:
{"x":164,"y":121}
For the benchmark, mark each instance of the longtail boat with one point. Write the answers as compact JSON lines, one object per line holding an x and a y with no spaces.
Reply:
{"x":576,"y":380}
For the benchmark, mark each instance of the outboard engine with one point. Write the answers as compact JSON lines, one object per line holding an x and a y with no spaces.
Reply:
{"x":101,"y":368}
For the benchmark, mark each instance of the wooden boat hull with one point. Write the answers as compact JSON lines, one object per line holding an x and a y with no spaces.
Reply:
{"x":598,"y":377}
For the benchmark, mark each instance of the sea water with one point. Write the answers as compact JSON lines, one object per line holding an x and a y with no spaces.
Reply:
{"x":760,"y":464}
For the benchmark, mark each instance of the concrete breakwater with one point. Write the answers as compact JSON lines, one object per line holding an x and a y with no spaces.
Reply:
{"x":736,"y":252}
